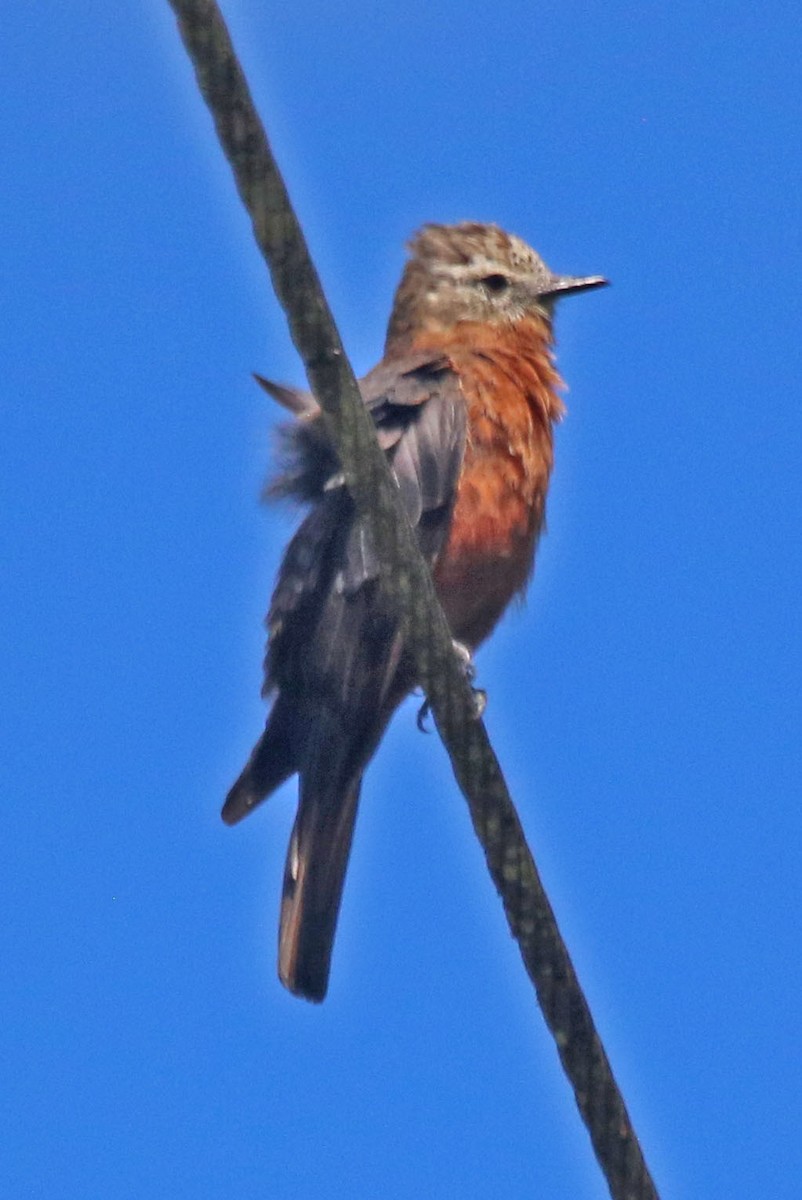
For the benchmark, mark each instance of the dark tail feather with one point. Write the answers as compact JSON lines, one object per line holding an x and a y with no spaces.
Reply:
{"x":273,"y":759}
{"x":300,"y":403}
{"x":313,"y":884}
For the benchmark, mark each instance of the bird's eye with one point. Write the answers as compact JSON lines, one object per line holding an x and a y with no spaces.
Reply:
{"x":496,"y":283}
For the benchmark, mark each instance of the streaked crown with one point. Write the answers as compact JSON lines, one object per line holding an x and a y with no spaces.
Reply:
{"x":474,"y":272}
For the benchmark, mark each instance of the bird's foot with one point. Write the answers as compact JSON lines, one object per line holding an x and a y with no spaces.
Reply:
{"x":423,"y":713}
{"x":466,"y":659}
{"x":469,"y":671}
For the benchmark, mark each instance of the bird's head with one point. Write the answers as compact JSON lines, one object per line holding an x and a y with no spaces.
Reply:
{"x":474,"y":272}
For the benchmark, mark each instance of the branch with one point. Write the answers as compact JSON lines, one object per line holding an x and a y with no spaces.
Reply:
{"x":408,"y":580}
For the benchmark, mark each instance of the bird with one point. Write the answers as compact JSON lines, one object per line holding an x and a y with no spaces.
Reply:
{"x":464,"y":401}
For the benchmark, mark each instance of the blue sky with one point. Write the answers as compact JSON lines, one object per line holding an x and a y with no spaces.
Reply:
{"x":644,"y":703}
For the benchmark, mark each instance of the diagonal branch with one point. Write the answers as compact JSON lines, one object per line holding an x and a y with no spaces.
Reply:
{"x":408,"y":580}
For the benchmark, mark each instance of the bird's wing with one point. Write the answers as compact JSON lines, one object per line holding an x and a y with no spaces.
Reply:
{"x":331,"y":636}
{"x":419,"y":412}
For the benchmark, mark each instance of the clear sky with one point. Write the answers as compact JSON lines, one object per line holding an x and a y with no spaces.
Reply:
{"x":645,"y":702}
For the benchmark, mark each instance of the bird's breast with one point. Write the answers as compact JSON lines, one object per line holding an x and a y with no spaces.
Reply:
{"x":511,"y":392}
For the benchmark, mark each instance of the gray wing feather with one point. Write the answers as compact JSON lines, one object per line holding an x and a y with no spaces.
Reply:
{"x":421,"y":421}
{"x":419,"y":411}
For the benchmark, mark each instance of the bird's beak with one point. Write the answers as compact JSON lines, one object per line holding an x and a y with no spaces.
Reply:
{"x":561,"y":285}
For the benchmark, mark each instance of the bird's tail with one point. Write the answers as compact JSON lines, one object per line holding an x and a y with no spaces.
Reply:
{"x":273,"y":759}
{"x":315,"y":745}
{"x":314,"y":875}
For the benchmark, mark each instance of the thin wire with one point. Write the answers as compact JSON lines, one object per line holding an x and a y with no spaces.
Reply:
{"x":408,"y":580}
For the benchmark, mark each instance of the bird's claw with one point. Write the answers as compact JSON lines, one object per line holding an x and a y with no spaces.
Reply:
{"x":469,"y":671}
{"x":466,"y":659}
